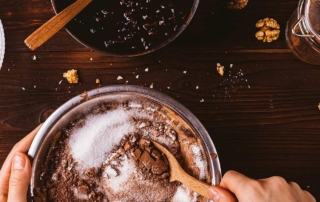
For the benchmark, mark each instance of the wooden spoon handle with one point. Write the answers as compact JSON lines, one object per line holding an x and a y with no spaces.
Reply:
{"x":47,"y":30}
{"x":194,"y":184}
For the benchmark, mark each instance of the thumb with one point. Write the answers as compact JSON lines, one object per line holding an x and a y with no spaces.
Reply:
{"x":219,"y":194}
{"x":19,"y":178}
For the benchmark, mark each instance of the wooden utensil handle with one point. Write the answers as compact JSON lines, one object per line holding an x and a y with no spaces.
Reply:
{"x":47,"y":30}
{"x":194,"y":184}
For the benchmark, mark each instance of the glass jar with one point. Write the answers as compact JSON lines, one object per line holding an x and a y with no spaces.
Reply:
{"x":303,"y":32}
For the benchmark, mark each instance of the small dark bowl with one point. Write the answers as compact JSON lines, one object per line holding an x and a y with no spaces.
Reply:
{"x":79,"y":27}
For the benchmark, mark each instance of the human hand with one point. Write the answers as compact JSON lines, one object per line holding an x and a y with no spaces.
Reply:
{"x":15,"y":173}
{"x":271,"y":189}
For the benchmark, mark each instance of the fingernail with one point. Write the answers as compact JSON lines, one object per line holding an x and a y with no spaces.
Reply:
{"x":18,"y":162}
{"x":214,"y":195}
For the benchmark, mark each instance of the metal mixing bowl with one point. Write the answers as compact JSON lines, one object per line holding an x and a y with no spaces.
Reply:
{"x":82,"y":105}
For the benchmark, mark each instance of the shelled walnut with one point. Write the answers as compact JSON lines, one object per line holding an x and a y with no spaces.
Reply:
{"x":237,"y":4}
{"x":269,"y":30}
{"x":71,"y":76}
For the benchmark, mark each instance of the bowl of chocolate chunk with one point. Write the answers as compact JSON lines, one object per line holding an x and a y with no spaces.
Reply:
{"x":128,"y":27}
{"x":98,"y":147}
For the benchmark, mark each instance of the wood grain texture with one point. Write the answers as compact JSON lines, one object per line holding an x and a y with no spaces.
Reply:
{"x":263,"y":123}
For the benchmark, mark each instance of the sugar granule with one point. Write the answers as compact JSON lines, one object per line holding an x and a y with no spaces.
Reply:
{"x":98,"y":136}
{"x":146,"y":70}
{"x":119,"y":78}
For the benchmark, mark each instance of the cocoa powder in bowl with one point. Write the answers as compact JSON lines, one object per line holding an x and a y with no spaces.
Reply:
{"x":129,"y":27}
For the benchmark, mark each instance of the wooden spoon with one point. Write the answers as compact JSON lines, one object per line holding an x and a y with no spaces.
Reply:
{"x":47,"y":30}
{"x":178,"y":174}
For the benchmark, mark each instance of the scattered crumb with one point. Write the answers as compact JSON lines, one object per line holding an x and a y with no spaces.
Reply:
{"x":127,"y":82}
{"x":110,"y":64}
{"x":248,"y":86}
{"x":34,"y":57}
{"x":166,"y":70}
{"x":159,"y":60}
{"x":184,"y":72}
{"x":97,"y":80}
{"x":84,"y":95}
{"x":119,"y":78}
{"x":319,"y":106}
{"x":146,"y":70}
{"x":197,"y":87}
{"x":34,"y":86}
{"x":8,"y":70}
{"x":23,"y":88}
{"x":91,"y":59}
{"x":220,"y":69}
{"x":231,"y":65}
{"x":60,"y":82}
{"x":151,"y":86}
{"x":137,"y":76}
{"x":202,"y":100}
{"x":71,"y":76}
{"x":169,"y":88}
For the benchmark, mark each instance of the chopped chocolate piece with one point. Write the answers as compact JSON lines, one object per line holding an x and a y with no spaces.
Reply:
{"x":146,"y":160}
{"x":137,"y":153}
{"x":83,"y":189}
{"x":159,"y":167}
{"x":156,"y":154}
{"x":148,"y":149}
{"x":144,"y":143}
{"x":128,"y":146}
{"x":90,"y":172}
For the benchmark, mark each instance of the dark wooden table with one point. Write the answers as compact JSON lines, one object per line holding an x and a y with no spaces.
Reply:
{"x":265,"y":122}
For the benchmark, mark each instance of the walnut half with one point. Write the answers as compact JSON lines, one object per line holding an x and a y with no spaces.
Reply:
{"x":237,"y":4}
{"x":71,"y":76}
{"x":269,"y":30}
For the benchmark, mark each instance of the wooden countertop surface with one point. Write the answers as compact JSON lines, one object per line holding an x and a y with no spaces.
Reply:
{"x":265,"y":122}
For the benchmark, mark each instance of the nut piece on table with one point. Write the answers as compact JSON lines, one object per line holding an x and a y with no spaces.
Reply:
{"x":71,"y":76}
{"x":269,"y":30}
{"x":237,"y":4}
{"x":220,"y":69}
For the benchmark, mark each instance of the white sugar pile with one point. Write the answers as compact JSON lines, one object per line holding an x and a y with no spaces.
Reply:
{"x":91,"y":143}
{"x":199,"y":161}
{"x":126,"y":171}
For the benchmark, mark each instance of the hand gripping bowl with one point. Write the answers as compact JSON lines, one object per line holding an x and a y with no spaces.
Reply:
{"x":181,"y":120}
{"x":129,"y":27}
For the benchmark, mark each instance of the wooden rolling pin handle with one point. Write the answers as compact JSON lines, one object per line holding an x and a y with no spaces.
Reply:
{"x":47,"y":30}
